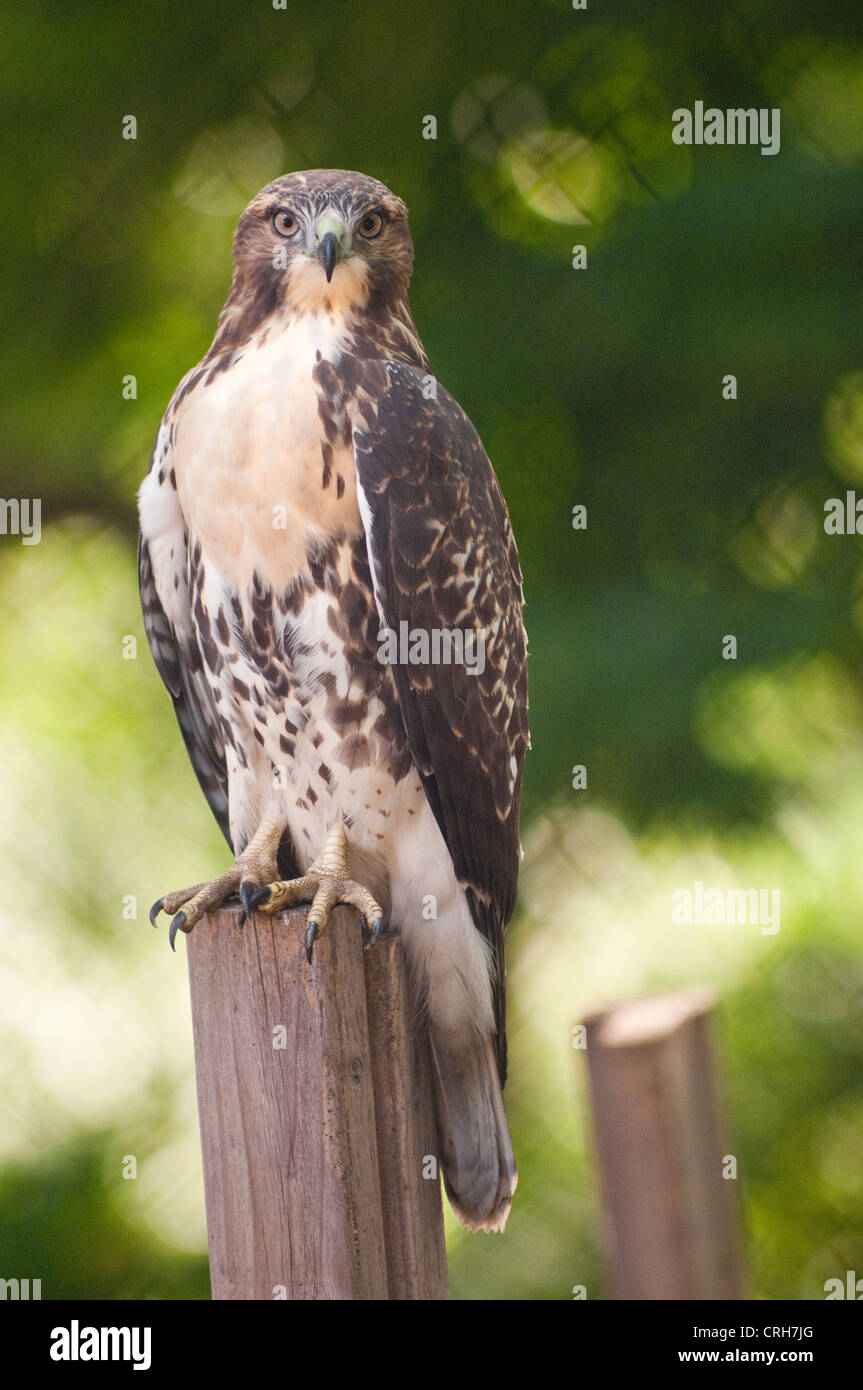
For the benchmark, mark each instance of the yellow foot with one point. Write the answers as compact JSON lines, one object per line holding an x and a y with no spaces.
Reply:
{"x":256,"y":865}
{"x":325,"y":886}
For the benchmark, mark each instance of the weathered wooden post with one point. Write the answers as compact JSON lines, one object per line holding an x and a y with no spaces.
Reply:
{"x":671,"y":1212}
{"x":316,"y":1114}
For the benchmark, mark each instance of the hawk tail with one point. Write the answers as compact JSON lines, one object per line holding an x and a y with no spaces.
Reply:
{"x":475,"y":1148}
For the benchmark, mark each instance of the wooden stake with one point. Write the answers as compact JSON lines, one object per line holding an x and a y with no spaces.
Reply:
{"x":671,"y":1215}
{"x":315,"y":1109}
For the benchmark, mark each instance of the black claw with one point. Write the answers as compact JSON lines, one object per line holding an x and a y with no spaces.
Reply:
{"x":155,"y":910}
{"x":376,"y":932}
{"x":247,"y":891}
{"x":252,"y":898}
{"x":313,"y":931}
{"x":177,"y":923}
{"x":255,"y":897}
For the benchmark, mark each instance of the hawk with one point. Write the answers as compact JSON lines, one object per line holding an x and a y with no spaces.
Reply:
{"x":333,"y":598}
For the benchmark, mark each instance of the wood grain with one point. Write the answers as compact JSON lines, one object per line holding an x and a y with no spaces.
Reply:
{"x":314,"y":1102}
{"x":406,"y":1130}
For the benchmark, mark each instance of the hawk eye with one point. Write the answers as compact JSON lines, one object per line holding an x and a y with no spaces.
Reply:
{"x":285,"y":223}
{"x":370,"y":225}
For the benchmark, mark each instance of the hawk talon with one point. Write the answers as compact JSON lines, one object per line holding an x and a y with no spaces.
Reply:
{"x":376,"y":932}
{"x":178,"y":924}
{"x":325,"y":886}
{"x":248,"y":894}
{"x":313,"y":931}
{"x":239,"y":883}
{"x":255,"y":898}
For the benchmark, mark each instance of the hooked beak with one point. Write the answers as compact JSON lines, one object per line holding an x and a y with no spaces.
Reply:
{"x":329,"y":242}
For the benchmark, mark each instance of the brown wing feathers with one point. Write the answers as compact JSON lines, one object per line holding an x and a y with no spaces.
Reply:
{"x":443,"y":557}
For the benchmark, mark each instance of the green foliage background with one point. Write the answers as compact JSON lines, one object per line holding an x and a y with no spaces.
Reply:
{"x":600,"y":387}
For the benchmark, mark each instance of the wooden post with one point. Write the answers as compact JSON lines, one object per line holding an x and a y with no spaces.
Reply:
{"x":316,"y":1111}
{"x":671,"y":1216}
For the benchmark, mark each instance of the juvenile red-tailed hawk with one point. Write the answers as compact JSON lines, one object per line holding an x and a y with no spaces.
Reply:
{"x":333,"y":598}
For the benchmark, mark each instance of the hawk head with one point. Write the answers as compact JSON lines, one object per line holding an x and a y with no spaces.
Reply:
{"x":323,"y":239}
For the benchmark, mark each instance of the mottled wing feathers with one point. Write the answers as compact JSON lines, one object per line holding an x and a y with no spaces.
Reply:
{"x":178,"y":658}
{"x":442,"y":556}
